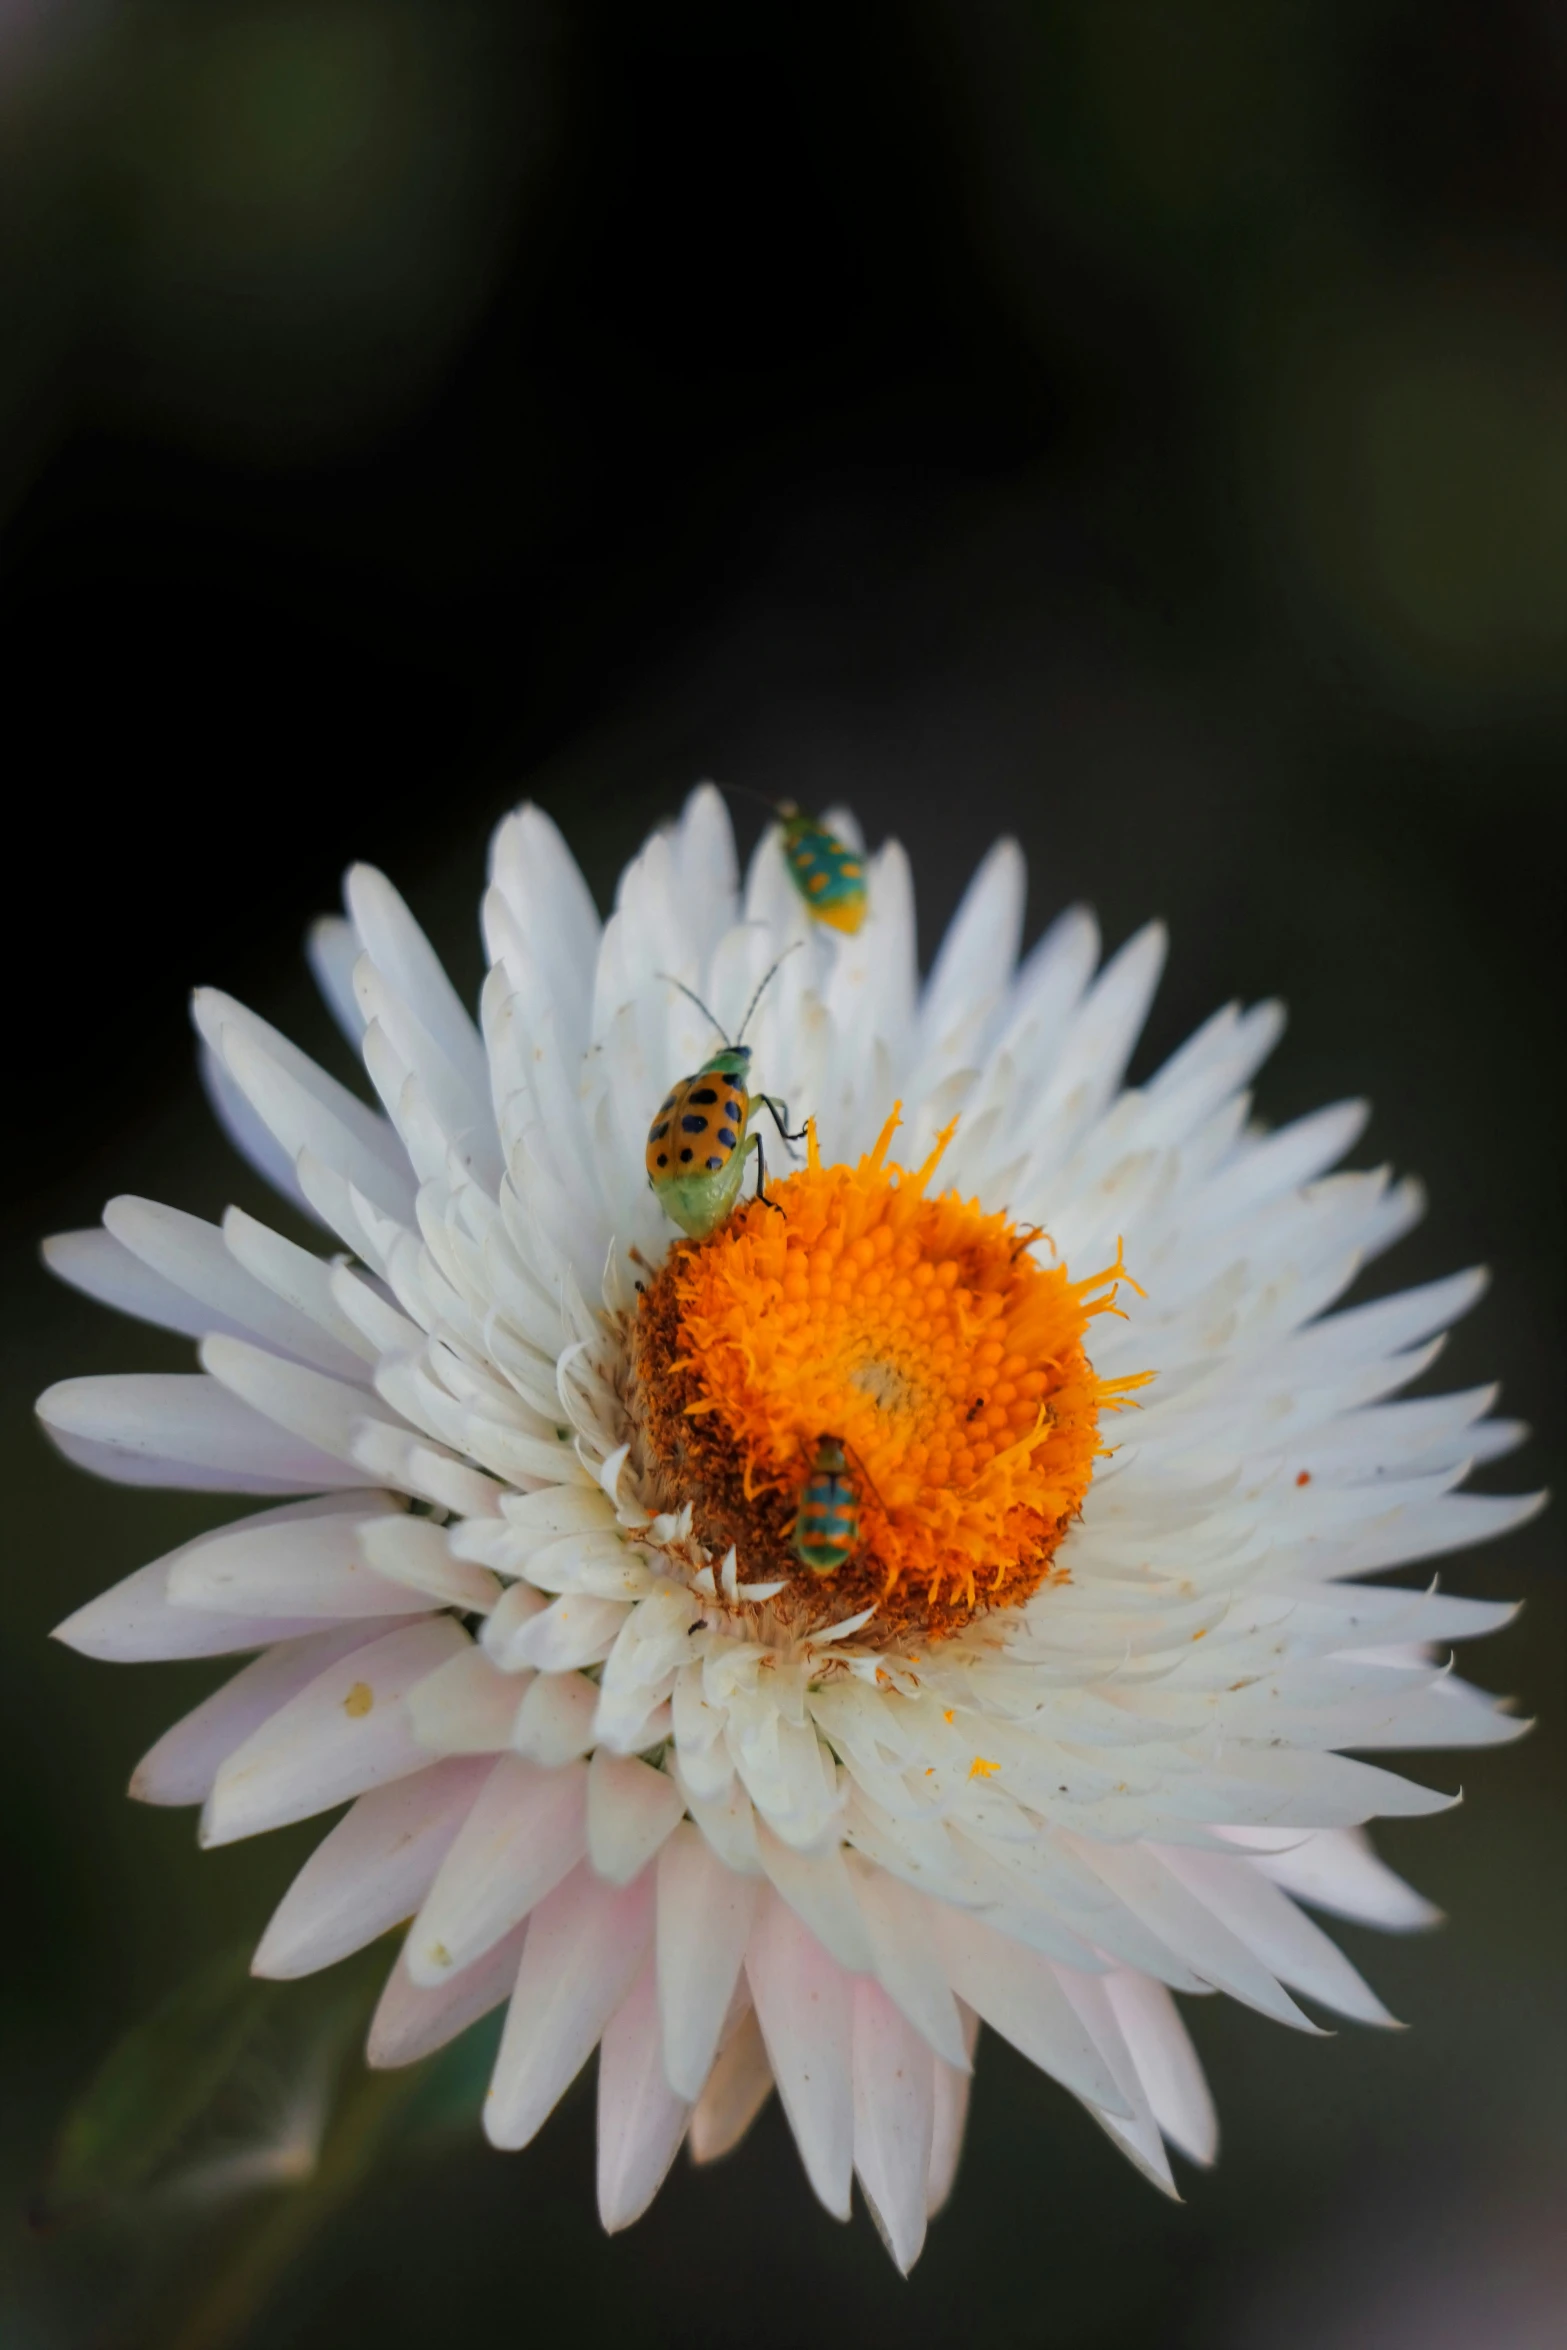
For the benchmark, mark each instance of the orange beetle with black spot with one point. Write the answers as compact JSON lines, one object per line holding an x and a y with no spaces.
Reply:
{"x":699,"y":1142}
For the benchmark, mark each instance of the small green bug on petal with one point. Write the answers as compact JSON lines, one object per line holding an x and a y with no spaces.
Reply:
{"x":826,"y":871}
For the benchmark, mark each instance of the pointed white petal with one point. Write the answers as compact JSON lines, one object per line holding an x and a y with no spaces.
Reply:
{"x":641,"y":2121}
{"x":584,"y":1950}
{"x":1018,"y":1994}
{"x":411,"y":2021}
{"x":1167,"y":2063}
{"x":525,"y":1831}
{"x":705,"y":1915}
{"x":371,"y":1872}
{"x":183,"y":1765}
{"x":804,"y":2004}
{"x":347,"y":1732}
{"x":893,"y":2119}
{"x":949,"y":2118}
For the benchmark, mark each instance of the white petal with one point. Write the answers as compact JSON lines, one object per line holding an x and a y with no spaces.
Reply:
{"x":411,"y":2021}
{"x":804,"y":2004}
{"x":526,"y":1830}
{"x":1337,"y":1870}
{"x":950,"y":2095}
{"x":311,"y":1566}
{"x":101,"y":1267}
{"x":197,"y":1260}
{"x":466,"y":1706}
{"x":410,"y":965}
{"x":1018,"y":1995}
{"x":176,"y":1428}
{"x":819,"y":1887}
{"x":584,"y":1950}
{"x":893,"y":2119}
{"x":737,"y":2089}
{"x":182,"y":1766}
{"x":640,"y":2119}
{"x":413,"y":1552}
{"x":1262,"y":1916}
{"x":135,"y":1621}
{"x":705,"y":1915}
{"x":631,"y":1809}
{"x":898,"y":1923}
{"x":1167,"y":2063}
{"x":573,"y":1631}
{"x":554,"y":1723}
{"x":1131,"y":2124}
{"x":372,"y":1871}
{"x":347,"y":1732}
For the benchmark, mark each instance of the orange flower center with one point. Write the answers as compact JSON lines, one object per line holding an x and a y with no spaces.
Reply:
{"x":919,"y":1334}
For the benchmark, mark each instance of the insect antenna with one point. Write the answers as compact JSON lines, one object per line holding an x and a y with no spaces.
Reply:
{"x":854,"y":1453}
{"x":743,"y":791}
{"x":760,"y":985}
{"x":691,"y":994}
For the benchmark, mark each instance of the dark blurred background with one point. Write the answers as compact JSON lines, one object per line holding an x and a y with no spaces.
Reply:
{"x":1137,"y":424}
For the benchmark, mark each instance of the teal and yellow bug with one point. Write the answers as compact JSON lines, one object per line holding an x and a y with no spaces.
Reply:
{"x":828,"y":874}
{"x":699,"y":1142}
{"x":827,"y":1515}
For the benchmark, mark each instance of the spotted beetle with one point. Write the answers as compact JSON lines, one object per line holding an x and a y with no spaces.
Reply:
{"x":699,"y":1142}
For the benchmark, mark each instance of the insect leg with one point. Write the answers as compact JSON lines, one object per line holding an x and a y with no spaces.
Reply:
{"x":755,"y":1144}
{"x":781,"y":1122}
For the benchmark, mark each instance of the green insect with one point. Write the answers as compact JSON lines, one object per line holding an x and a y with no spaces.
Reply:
{"x":828,"y":874}
{"x":698,"y":1144}
{"x":827,"y":1516}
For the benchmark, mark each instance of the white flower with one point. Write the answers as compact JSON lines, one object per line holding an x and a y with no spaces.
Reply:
{"x":1063,"y":1736}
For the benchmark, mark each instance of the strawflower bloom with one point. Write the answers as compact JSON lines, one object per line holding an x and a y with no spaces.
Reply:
{"x":1056,"y":1732}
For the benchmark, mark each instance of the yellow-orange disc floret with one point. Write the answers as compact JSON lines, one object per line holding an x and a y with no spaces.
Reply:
{"x":920,"y":1333}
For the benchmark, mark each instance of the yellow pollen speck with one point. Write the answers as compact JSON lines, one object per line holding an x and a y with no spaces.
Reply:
{"x":916,"y":1332}
{"x":980,"y":1769}
{"x":948,"y":1715}
{"x":359,"y":1701}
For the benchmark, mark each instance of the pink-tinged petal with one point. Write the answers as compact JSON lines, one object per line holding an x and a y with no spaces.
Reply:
{"x":181,"y":1428}
{"x":705,"y":1915}
{"x":631,"y":1809}
{"x":893,"y":2119}
{"x":1337,"y":1870}
{"x":641,"y":2121}
{"x":737,"y":2088}
{"x":1167,"y":2063}
{"x":348,"y":1732}
{"x":186,"y":1760}
{"x":136,"y":1622}
{"x":371,"y":1872}
{"x":411,"y":2021}
{"x":804,"y":2004}
{"x":527,"y":1830}
{"x":949,"y":2117}
{"x":1018,"y":1995}
{"x":585,"y":1946}
{"x":1130,"y":2123}
{"x":908,"y":1965}
{"x":818,"y":1886}
{"x":291,"y":1565}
